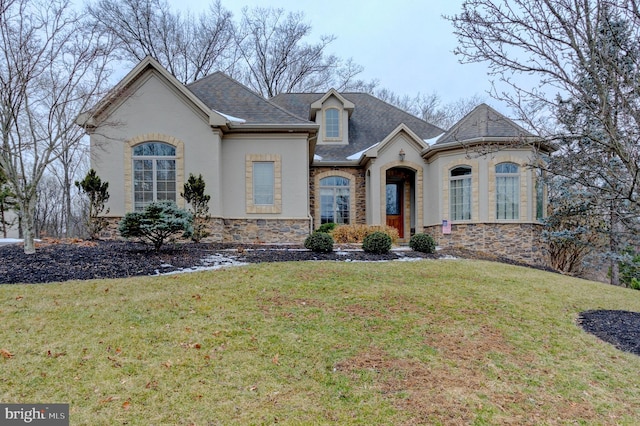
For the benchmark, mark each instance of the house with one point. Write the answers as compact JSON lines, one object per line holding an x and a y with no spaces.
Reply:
{"x":276,"y":169}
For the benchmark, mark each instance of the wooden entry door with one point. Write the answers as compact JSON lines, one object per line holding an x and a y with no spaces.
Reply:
{"x":395,"y":210}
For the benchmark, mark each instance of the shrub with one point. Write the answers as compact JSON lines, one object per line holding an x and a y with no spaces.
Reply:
{"x":327,"y":227}
{"x":351,"y":234}
{"x":199,"y":201}
{"x":97,"y":193}
{"x":156,"y":223}
{"x":423,"y":243}
{"x":319,"y":242}
{"x":377,"y":243}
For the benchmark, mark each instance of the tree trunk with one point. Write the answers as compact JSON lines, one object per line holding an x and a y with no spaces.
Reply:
{"x":2,"y":221}
{"x":28,"y":207}
{"x":614,"y":248}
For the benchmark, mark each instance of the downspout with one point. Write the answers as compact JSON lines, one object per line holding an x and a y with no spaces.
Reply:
{"x":309,"y":215}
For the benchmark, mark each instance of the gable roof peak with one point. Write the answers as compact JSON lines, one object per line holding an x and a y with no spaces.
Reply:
{"x":90,"y":118}
{"x":346,"y":104}
{"x":483,"y":122}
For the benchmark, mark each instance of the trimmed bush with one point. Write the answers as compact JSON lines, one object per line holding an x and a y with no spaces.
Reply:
{"x":423,"y":243}
{"x":327,"y":227}
{"x":354,"y":234}
{"x":156,"y":223}
{"x":319,"y":242}
{"x":377,"y":243}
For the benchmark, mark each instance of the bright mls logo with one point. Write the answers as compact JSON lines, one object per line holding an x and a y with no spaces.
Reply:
{"x":34,"y":414}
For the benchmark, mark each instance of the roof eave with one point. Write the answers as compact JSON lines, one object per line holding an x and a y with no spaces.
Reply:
{"x":520,"y":142}
{"x":291,"y":128}
{"x":335,"y":163}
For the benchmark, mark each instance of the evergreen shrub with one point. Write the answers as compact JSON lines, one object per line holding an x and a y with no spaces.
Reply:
{"x":156,"y":223}
{"x":423,"y":243}
{"x":327,"y":227}
{"x":377,"y":243}
{"x":319,"y":242}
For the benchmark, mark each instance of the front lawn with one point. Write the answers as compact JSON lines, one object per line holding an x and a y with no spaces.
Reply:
{"x":436,"y":342}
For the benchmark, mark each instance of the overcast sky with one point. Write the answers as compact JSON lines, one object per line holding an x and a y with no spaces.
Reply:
{"x":405,"y":44}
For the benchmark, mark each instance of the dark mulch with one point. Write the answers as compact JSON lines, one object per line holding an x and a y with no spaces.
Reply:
{"x":55,"y":262}
{"x":620,"y":328}
{"x":117,"y":259}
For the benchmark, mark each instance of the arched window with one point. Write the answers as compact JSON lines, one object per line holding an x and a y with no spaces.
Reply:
{"x":507,"y":191}
{"x":332,"y":123}
{"x":154,"y":173}
{"x":334,"y":200}
{"x":460,"y":193}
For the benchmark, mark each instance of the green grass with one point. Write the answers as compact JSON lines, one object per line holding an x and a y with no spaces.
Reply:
{"x":435,"y":342}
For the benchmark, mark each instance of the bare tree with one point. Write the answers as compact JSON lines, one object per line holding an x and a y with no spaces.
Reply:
{"x":571,"y":69}
{"x":276,"y":58}
{"x":52,"y":66}
{"x":430,"y":107}
{"x":190,"y":47}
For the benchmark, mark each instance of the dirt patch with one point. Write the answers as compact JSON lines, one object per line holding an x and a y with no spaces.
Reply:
{"x":462,"y":384}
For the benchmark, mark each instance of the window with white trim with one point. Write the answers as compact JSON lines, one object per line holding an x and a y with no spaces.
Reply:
{"x":332,"y":123}
{"x":263,"y":183}
{"x":507,"y":191}
{"x":460,"y":193}
{"x":335,"y":200}
{"x":154,"y":173}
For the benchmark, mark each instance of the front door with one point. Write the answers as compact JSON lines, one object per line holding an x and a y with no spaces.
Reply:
{"x":395,"y":210}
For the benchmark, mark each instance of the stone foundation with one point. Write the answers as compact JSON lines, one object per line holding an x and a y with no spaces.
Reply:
{"x":245,"y":231}
{"x":517,"y":241}
{"x":266,"y":231}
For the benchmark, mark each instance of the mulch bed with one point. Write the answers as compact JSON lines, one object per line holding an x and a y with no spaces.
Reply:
{"x":56,"y":261}
{"x":61,"y":261}
{"x":620,"y":328}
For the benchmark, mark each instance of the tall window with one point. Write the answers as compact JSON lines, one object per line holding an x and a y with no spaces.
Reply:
{"x":507,"y":191}
{"x":154,"y":173}
{"x":539,"y":195}
{"x":263,"y":183}
{"x":332,"y":123}
{"x":334,"y":200}
{"x":460,"y":193}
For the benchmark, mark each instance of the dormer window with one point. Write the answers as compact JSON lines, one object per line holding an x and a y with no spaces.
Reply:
{"x":332,"y":123}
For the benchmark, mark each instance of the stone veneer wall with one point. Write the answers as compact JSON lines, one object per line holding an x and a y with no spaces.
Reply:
{"x":360,"y":189}
{"x":245,"y":231}
{"x":266,"y":231}
{"x":517,"y":241}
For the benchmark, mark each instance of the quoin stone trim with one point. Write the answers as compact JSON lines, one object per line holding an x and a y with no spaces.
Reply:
{"x":475,"y":189}
{"x":352,"y":193}
{"x":128,"y":165}
{"x":276,"y":207}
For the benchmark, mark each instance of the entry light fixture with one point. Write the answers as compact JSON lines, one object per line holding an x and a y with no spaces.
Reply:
{"x":401,"y":154}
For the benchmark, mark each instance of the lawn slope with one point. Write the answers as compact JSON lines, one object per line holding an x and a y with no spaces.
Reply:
{"x":436,"y":342}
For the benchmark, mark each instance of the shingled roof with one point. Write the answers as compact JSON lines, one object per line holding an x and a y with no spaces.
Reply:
{"x":483,"y":122}
{"x":227,"y":96}
{"x":371,"y":122}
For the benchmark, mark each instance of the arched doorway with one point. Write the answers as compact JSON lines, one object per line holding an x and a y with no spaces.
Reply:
{"x":400,"y":202}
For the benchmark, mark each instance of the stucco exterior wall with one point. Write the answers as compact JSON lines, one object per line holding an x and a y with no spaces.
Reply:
{"x":154,"y":110}
{"x":11,"y":217}
{"x":292,"y":151}
{"x":483,"y":198}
